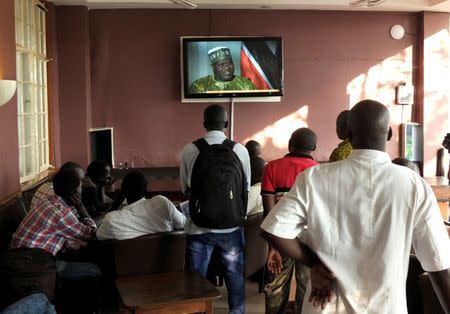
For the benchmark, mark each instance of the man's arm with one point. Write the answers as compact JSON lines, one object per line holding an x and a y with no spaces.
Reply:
{"x":320,"y":276}
{"x":274,"y":261}
{"x":441,"y":285}
{"x":292,"y":248}
{"x":268,"y":203}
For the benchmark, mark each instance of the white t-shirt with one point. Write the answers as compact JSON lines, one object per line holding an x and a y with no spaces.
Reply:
{"x":254,"y":204}
{"x":145,"y":216}
{"x":363,"y":214}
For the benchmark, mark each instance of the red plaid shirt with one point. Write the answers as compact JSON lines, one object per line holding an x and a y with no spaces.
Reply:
{"x":52,"y":226}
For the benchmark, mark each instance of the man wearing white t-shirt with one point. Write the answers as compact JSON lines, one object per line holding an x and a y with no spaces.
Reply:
{"x":363,"y":215}
{"x":141,"y":216}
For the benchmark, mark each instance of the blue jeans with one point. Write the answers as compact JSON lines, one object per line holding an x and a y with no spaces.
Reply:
{"x":32,"y":304}
{"x":231,"y":245}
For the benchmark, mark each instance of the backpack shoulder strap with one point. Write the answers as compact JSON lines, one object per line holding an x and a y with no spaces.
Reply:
{"x":201,"y":144}
{"x":228,"y":143}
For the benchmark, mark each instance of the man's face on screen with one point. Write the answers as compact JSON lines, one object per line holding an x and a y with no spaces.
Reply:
{"x":223,"y":70}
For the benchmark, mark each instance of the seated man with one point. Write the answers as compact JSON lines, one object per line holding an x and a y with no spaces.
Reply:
{"x":52,"y":226}
{"x":95,"y":200}
{"x":46,"y":189}
{"x":141,"y":216}
{"x":254,"y":205}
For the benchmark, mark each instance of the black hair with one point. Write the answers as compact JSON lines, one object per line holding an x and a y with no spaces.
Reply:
{"x":215,"y":117}
{"x":302,"y":139}
{"x":97,"y":169}
{"x":70,"y":165}
{"x":254,"y":148}
{"x":134,"y":185}
{"x":65,"y":183}
{"x":257,"y":165}
{"x":342,"y":124}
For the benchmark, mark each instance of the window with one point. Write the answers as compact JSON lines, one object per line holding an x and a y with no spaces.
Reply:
{"x":32,"y":88}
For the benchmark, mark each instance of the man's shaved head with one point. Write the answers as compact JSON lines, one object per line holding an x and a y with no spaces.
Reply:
{"x":369,"y":125}
{"x":302,"y":140}
{"x":215,"y":118}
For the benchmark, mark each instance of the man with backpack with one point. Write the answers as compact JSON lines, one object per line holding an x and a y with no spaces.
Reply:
{"x":215,"y":175}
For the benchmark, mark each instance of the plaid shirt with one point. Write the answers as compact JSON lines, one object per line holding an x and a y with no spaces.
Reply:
{"x":52,"y":226}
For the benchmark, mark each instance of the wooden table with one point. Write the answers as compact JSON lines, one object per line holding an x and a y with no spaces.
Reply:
{"x":441,"y":190}
{"x":173,"y":293}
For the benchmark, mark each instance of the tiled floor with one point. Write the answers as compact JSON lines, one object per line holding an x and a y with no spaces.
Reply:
{"x":254,"y":302}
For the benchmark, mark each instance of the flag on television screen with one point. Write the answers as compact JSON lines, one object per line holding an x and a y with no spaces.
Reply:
{"x":259,"y":63}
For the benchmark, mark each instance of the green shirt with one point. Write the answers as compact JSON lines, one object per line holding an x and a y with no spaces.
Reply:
{"x":208,"y":83}
{"x":342,"y":151}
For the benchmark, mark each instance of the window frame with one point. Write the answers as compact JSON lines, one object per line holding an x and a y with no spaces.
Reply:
{"x":34,"y":108}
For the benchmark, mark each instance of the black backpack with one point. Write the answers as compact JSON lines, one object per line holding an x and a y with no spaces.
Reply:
{"x":218,"y":194}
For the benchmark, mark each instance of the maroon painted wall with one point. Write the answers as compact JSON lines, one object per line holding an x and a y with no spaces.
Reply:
{"x":9,"y":152}
{"x":74,"y":98}
{"x":136,"y":78}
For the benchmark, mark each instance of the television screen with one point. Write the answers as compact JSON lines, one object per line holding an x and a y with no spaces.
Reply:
{"x":232,"y":66}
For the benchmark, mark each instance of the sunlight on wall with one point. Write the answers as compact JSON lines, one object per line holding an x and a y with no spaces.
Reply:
{"x":379,"y":83}
{"x":278,"y":133}
{"x":436,"y":97}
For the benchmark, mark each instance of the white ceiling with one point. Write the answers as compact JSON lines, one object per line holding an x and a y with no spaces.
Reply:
{"x":388,"y":5}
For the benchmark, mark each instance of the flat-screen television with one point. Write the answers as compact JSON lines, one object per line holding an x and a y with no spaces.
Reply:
{"x":226,"y":67}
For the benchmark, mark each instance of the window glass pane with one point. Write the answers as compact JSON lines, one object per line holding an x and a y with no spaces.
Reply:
{"x":28,"y":160}
{"x":24,"y":68}
{"x":19,"y":66}
{"x":46,"y":158}
{"x":27,"y":98}
{"x":45,"y":127}
{"x":17,"y":31}
{"x":40,"y":154}
{"x":43,"y":48}
{"x":27,"y":129}
{"x":44,"y":73}
{"x":33,"y":69}
{"x":45,"y":93}
{"x":39,"y":129}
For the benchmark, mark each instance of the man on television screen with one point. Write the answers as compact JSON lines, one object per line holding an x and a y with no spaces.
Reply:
{"x":223,"y":78}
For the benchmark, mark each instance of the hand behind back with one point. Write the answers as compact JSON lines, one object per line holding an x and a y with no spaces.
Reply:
{"x":321,"y":285}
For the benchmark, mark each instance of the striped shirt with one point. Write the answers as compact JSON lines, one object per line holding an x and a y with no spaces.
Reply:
{"x":52,"y":226}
